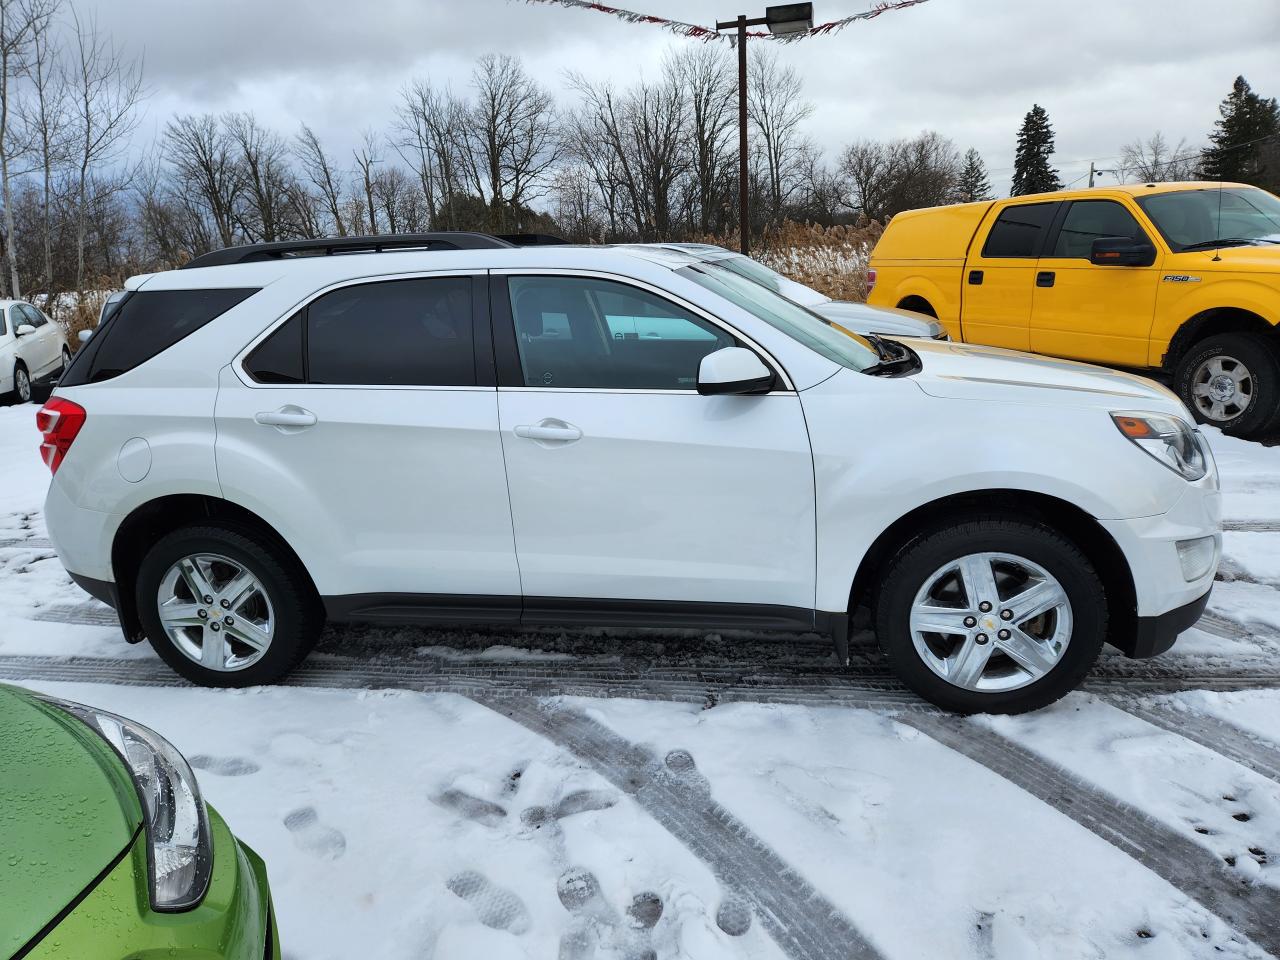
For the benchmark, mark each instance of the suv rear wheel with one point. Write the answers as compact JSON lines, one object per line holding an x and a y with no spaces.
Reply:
{"x":991,"y":615}
{"x":1231,"y":381}
{"x":224,"y":609}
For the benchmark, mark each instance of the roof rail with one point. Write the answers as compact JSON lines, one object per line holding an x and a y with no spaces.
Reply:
{"x":531,"y":239}
{"x":329,"y":246}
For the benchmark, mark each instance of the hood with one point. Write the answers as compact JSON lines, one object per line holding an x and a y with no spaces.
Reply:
{"x":1254,"y":258}
{"x":888,"y":321}
{"x":68,"y":807}
{"x":966,"y":371}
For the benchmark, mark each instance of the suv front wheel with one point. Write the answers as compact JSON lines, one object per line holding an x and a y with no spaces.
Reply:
{"x":224,"y":609}
{"x":991,"y":615}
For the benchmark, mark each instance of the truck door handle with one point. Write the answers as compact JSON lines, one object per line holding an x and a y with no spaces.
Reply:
{"x":552,"y":430}
{"x":1045,"y":278}
{"x":287,"y":416}
{"x":975,"y":278}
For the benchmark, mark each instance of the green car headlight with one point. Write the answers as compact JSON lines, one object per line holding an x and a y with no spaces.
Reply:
{"x":1169,"y":439}
{"x":179,"y":855}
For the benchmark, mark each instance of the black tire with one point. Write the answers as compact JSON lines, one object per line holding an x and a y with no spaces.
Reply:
{"x":918,"y":560}
{"x":298,"y":613}
{"x":1261,"y":411}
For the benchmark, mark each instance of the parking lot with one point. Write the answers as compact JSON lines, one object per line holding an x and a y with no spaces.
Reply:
{"x":625,"y":793}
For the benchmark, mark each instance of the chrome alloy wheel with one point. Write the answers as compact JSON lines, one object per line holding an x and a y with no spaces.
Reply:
{"x":216,"y":612}
{"x":991,"y":622}
{"x":1222,"y":387}
{"x":22,"y":384}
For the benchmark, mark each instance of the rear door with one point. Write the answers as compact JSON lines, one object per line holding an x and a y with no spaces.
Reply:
{"x":1000,"y":276}
{"x":365,"y":429}
{"x":632,"y":494}
{"x":1090,"y":312}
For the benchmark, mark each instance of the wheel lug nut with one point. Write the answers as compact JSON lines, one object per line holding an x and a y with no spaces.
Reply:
{"x":1006,"y":614}
{"x":970,"y":621}
{"x":226,"y":604}
{"x":981,"y":638}
{"x":230,"y":622}
{"x":984,"y":606}
{"x":1003,"y":634}
{"x":203,"y":614}
{"x":214,"y":627}
{"x":208,"y":600}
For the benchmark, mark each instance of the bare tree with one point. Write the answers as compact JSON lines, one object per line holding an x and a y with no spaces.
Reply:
{"x":431,"y":126}
{"x":704,"y":75}
{"x":886,"y":178}
{"x":366,"y":158}
{"x":105,"y":90}
{"x":776,"y":108}
{"x":512,"y":137}
{"x":268,"y":181}
{"x":206,"y":171}
{"x":45,"y":115}
{"x":1154,"y":161}
{"x":319,"y":170}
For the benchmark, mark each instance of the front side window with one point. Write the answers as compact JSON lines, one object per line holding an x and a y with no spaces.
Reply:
{"x":581,"y":332}
{"x":1194,"y":219}
{"x":1019,"y":231}
{"x":31,"y":315}
{"x":1090,"y":220}
{"x":3,"y":326}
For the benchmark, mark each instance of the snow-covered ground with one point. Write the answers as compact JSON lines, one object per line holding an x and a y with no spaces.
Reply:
{"x":543,"y":793}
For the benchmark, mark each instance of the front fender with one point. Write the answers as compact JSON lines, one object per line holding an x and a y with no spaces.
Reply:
{"x":1181,"y":303}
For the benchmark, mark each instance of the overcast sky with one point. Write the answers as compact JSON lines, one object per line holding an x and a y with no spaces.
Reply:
{"x":1107,"y":71}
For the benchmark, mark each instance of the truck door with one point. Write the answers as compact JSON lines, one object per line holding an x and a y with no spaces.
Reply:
{"x":1088,"y":311}
{"x":999,"y":278}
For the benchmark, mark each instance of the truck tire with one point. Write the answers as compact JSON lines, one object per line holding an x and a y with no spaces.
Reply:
{"x":1232,"y":381}
{"x":991,"y":614}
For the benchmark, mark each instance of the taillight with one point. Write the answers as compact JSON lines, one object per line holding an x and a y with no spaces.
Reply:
{"x":871,"y":281}
{"x":59,"y":421}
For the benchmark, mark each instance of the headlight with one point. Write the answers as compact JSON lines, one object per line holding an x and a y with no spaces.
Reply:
{"x":1169,"y":439}
{"x":179,"y":856}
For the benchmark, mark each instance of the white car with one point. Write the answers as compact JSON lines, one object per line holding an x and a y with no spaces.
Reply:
{"x":585,"y":436}
{"x":858,"y":317}
{"x":32,"y":349}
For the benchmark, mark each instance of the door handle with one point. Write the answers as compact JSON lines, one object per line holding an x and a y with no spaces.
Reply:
{"x":553,"y":430}
{"x":1045,"y":278}
{"x":286,"y":416}
{"x":975,"y":278}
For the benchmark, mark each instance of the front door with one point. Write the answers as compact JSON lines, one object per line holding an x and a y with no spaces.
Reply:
{"x":364,"y":429}
{"x":629,"y":490}
{"x":1090,"y":312}
{"x":999,"y":278}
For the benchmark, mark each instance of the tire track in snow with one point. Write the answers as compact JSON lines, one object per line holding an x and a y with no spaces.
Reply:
{"x":32,"y":543}
{"x":1210,"y":732}
{"x":1251,"y":526}
{"x":801,"y":921}
{"x":1251,"y":909}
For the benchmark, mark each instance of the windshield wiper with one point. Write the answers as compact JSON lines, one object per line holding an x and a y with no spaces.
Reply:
{"x":1225,"y":242}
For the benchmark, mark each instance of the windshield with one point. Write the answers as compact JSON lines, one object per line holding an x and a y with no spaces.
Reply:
{"x":822,"y":336}
{"x":1197,"y":218}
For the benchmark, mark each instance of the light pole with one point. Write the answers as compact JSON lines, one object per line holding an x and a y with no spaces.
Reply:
{"x":780,"y":19}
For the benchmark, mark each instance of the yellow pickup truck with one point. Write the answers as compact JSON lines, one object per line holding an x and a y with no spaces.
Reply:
{"x":1179,"y":277}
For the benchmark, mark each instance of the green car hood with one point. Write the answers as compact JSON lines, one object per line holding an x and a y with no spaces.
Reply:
{"x":68,"y":808}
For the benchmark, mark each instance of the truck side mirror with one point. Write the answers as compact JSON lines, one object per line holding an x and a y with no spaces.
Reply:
{"x":1121,"y":252}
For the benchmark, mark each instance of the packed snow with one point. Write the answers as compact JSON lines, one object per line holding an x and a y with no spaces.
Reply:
{"x":682,"y":815}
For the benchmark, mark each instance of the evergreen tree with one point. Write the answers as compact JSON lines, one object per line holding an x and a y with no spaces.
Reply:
{"x":1244,"y":139}
{"x":972,"y":183}
{"x":1031,"y":170}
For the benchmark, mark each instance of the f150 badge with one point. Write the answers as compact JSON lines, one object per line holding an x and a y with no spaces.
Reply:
{"x":1179,"y":278}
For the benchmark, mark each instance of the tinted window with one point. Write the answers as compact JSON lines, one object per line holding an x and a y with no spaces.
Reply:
{"x":1019,"y":231}
{"x":31,"y":315}
{"x":147,"y":324}
{"x":1087,"y":220}
{"x":3,"y":327}
{"x":278,"y":359}
{"x":580,"y":332}
{"x":397,"y":332}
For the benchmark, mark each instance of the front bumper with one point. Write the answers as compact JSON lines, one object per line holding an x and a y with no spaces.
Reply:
{"x":233,"y":922}
{"x":1155,"y":635}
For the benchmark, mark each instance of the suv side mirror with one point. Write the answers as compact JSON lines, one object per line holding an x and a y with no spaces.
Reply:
{"x":733,"y":370}
{"x":1121,"y":252}
{"x":23,"y":329}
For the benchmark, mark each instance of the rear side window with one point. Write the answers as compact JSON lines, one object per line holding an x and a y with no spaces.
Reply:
{"x":145,"y":325}
{"x":414,"y":332}
{"x":1019,"y":231}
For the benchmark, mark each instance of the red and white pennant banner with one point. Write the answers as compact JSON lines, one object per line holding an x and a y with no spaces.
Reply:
{"x":709,"y":33}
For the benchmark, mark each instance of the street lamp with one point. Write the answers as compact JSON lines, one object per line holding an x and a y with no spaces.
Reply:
{"x":780,"y":19}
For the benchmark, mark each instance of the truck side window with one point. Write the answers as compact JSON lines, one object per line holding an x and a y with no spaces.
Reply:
{"x":1087,"y":220}
{"x":1019,"y":231}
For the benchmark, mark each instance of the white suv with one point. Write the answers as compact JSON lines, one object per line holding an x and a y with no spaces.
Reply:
{"x":31,"y":349}
{"x":589,"y":436}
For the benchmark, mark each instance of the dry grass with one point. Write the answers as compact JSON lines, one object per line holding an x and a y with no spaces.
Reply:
{"x":832,"y":260}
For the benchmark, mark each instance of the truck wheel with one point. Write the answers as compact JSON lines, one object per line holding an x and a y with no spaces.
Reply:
{"x":991,"y":615}
{"x":224,"y":608}
{"x":1231,"y":381}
